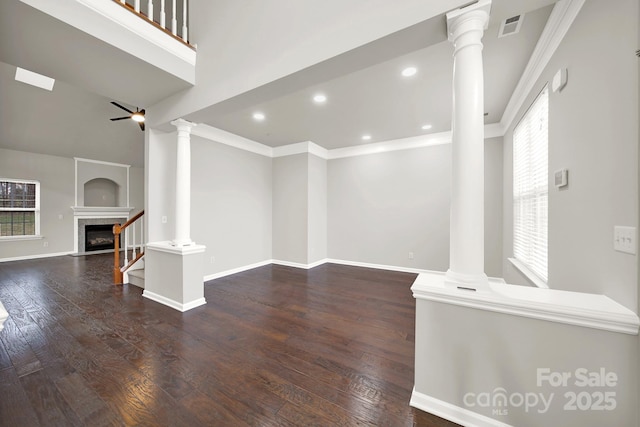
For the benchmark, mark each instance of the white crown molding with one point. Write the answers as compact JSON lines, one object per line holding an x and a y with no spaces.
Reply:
{"x":392,"y":145}
{"x":561,"y":18}
{"x":300,"y":148}
{"x":223,"y":137}
{"x":211,"y":133}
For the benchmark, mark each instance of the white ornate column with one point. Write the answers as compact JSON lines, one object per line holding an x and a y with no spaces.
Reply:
{"x":183,"y":184}
{"x":466,"y":259}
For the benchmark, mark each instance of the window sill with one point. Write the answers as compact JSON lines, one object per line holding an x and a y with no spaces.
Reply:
{"x":533,"y":278}
{"x":20,"y":238}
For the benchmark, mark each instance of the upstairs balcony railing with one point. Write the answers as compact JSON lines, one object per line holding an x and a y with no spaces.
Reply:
{"x":169,"y":15}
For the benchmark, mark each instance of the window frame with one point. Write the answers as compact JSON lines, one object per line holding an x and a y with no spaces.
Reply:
{"x":35,"y":209}
{"x":519,"y":199}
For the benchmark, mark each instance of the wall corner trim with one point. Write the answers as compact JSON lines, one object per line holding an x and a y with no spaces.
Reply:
{"x":562,"y":16}
{"x":594,"y":311}
{"x":451,"y":412}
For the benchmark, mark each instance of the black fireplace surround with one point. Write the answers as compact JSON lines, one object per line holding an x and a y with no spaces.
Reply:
{"x":98,"y":237}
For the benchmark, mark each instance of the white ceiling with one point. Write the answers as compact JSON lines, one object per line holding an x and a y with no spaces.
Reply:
{"x":365,"y":91}
{"x":375,"y":99}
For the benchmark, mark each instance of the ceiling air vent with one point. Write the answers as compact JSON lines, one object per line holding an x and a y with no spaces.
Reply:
{"x":510,"y":26}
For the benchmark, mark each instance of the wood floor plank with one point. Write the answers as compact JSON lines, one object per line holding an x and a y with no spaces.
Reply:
{"x":274,"y":346}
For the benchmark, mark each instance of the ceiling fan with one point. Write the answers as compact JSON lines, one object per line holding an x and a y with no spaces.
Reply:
{"x":137,"y":116}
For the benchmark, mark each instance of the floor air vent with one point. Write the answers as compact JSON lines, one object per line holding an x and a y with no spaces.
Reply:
{"x":510,"y":26}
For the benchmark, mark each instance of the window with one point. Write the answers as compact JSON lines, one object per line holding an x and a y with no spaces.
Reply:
{"x":531,"y":187}
{"x":19,"y":208}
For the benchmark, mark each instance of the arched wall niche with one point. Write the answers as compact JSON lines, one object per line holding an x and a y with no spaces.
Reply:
{"x":101,"y":192}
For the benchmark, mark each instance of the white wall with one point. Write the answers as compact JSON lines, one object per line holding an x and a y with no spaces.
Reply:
{"x":383,"y":206}
{"x":57,"y":195}
{"x":593,"y":132}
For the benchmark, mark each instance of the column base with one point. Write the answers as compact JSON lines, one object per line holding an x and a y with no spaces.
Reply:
{"x":182,"y":242}
{"x":475,"y":282}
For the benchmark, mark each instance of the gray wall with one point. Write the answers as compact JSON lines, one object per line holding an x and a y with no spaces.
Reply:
{"x":383,"y":206}
{"x":593,"y":131}
{"x":317,"y":233}
{"x":57,"y":195}
{"x":230,"y":205}
{"x":291,"y":208}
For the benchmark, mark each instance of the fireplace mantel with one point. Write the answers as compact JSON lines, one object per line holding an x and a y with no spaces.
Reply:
{"x":99,"y":211}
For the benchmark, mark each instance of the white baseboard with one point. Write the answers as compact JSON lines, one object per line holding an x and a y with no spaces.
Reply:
{"x":22,"y":258}
{"x":236,"y":270}
{"x":453,"y":413}
{"x":378,"y":266}
{"x":171,"y":303}
{"x":297,"y":264}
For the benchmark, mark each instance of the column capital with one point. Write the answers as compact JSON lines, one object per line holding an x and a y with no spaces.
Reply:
{"x":183,"y":125}
{"x":471,"y":18}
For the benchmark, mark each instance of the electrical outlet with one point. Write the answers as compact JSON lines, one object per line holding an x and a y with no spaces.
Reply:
{"x":213,"y":259}
{"x":624,"y":239}
{"x":45,"y":244}
{"x":410,"y":255}
{"x":164,"y":219}
{"x":60,"y":216}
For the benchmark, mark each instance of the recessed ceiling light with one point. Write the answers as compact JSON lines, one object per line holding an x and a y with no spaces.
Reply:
{"x":366,"y":137}
{"x":258,"y":116}
{"x":426,"y":127}
{"x":319,"y":98}
{"x":409,"y":71}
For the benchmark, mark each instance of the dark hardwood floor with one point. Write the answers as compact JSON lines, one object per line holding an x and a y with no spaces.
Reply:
{"x":332,"y":346}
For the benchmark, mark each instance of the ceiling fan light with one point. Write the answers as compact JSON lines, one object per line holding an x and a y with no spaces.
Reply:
{"x":137,"y":117}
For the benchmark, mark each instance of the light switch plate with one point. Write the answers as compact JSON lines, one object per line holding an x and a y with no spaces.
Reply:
{"x":624,"y":239}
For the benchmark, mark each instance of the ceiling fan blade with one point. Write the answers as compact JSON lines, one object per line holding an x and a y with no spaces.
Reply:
{"x":142,"y":111}
{"x":141,"y":124}
{"x":120,"y":106}
{"x":119,"y":118}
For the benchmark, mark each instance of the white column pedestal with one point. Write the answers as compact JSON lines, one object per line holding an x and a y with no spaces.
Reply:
{"x":174,"y":275}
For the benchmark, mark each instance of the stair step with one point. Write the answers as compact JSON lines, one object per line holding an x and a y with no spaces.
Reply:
{"x":136,"y":278}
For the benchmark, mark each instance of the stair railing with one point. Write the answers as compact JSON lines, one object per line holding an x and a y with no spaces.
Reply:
{"x":145,"y":10}
{"x":137,"y":250}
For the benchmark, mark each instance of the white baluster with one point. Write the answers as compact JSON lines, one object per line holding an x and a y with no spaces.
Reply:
{"x":174,"y":20}
{"x":163,"y":15}
{"x":150,"y":9}
{"x":136,"y":6}
{"x":133,"y":247}
{"x":184,"y":20}
{"x":126,"y":245}
{"x":142,"y":234}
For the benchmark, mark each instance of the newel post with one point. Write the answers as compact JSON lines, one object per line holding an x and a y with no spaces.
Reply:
{"x":117,"y":274}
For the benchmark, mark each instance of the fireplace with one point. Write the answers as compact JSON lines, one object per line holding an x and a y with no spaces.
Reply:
{"x":98,"y":237}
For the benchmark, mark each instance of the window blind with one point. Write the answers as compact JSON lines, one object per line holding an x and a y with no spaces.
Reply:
{"x":531,"y":187}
